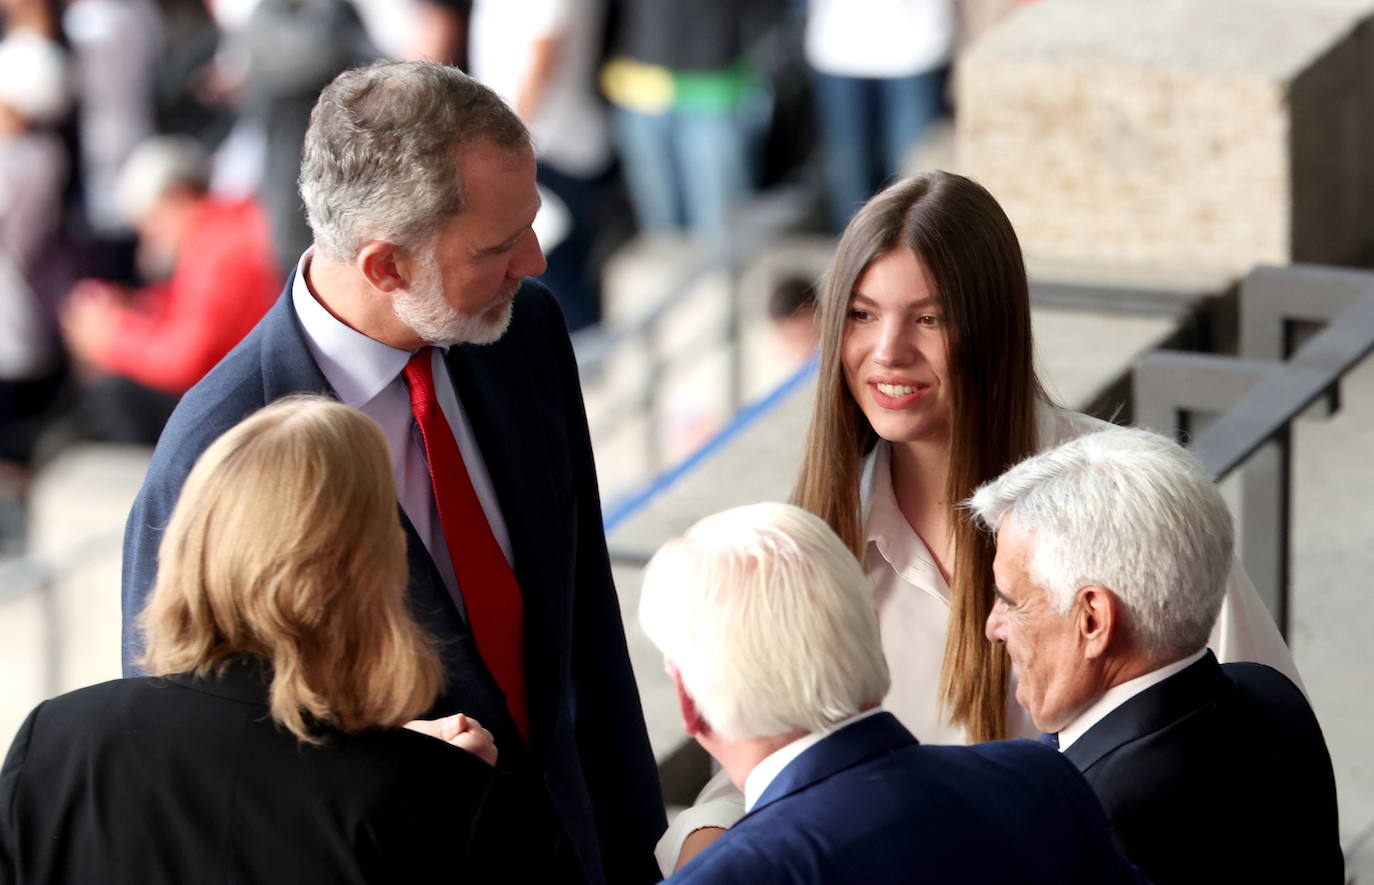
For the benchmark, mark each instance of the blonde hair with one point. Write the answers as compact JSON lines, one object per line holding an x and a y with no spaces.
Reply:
{"x":968,"y":247}
{"x":286,"y":544}
{"x":768,"y":619}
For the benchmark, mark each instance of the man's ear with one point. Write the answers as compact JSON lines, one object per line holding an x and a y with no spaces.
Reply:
{"x":692,"y":722}
{"x":384,"y":265}
{"x":1097,"y":616}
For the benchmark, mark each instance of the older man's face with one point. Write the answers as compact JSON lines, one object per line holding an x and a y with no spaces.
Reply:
{"x":482,"y":254}
{"x":1046,"y":655}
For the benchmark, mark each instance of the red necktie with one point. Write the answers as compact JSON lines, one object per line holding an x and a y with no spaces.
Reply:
{"x":490,"y":593}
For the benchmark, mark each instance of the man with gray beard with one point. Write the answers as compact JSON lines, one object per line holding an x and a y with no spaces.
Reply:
{"x":413,"y":306}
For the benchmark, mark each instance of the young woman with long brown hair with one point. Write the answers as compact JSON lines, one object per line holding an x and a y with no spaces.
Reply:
{"x":927,"y":388}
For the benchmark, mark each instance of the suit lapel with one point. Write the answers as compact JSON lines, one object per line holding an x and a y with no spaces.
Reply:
{"x":506,"y":411}
{"x":878,"y":734}
{"x":1151,"y":710}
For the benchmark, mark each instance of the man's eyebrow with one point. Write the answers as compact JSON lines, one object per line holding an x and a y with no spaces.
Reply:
{"x":1002,"y":596}
{"x":510,"y":241}
{"x":505,"y":244}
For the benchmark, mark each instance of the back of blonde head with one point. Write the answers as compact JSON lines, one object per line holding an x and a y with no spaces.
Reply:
{"x":769,"y":620}
{"x":286,"y":544}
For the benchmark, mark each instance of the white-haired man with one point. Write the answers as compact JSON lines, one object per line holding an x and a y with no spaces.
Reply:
{"x":413,"y":307}
{"x":768,"y":628}
{"x":1112,"y":557}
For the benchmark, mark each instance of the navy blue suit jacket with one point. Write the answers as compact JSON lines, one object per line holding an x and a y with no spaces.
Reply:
{"x":588,"y":742}
{"x":1217,"y":774}
{"x":868,"y":804}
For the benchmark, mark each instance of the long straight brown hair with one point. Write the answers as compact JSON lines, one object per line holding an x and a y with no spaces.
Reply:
{"x":968,"y":248}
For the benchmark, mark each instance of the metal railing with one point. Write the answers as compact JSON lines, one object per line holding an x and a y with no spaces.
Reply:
{"x":39,"y":574}
{"x":754,"y":225}
{"x":1276,"y":377}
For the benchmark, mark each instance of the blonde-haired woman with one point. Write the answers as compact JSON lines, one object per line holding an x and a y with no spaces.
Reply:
{"x":267,"y":745}
{"x":928,"y":389}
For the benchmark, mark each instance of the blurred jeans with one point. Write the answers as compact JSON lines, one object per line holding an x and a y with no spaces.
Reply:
{"x":684,"y":169}
{"x":867,"y":126}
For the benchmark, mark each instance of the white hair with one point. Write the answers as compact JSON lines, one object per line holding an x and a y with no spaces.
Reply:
{"x":380,"y":156}
{"x":1129,"y":510}
{"x":154,"y":168}
{"x":769,"y":620}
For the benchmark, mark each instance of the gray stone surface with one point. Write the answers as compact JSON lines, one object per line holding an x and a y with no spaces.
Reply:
{"x":1332,"y":591}
{"x":76,"y":515}
{"x":1198,"y":133}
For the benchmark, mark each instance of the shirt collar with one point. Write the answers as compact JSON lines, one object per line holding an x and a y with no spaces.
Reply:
{"x":772,"y":765}
{"x":357,"y":367}
{"x":886,"y":528}
{"x":1120,"y":694}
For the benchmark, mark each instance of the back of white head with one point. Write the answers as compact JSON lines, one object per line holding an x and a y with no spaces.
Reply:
{"x":1129,"y":510}
{"x":769,"y":619}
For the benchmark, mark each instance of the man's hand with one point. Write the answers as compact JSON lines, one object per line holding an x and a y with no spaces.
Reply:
{"x":461,"y":731}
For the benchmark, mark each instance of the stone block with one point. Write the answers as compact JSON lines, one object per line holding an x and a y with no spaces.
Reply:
{"x":1180,"y":133}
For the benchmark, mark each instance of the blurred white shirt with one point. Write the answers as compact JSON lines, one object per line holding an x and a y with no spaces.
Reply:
{"x":879,"y":38}
{"x":569,"y":126}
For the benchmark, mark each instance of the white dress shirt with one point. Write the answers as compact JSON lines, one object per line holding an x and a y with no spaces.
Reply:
{"x":1120,"y":694}
{"x":366,"y":374}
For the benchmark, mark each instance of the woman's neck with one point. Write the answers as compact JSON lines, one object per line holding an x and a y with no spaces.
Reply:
{"x":920,"y":473}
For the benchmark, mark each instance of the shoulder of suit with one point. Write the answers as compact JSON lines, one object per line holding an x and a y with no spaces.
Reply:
{"x":1263,"y":680}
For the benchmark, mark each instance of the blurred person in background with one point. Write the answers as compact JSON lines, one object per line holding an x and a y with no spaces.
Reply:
{"x":441,"y":31}
{"x":689,"y":108}
{"x":184,"y":102}
{"x":266,"y":743}
{"x":141,"y":349}
{"x":292,"y":49}
{"x":880,"y":68}
{"x":541,"y":57}
{"x":34,"y":267}
{"x":792,"y":314}
{"x":115,"y":44}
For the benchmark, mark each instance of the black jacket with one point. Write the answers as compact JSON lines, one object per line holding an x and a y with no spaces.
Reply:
{"x":1217,"y":774}
{"x":183,"y":780}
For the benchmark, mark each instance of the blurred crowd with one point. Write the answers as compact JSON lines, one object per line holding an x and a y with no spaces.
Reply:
{"x":149,"y":151}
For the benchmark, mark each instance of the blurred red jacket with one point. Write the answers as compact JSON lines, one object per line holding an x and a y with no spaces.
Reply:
{"x":223,"y":282}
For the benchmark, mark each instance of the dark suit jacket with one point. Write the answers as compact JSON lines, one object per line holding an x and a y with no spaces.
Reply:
{"x":1217,"y":774}
{"x":183,"y":780}
{"x":868,"y":804}
{"x":588,"y":742}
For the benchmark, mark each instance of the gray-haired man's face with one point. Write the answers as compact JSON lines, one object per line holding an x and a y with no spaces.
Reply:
{"x":481,"y":255}
{"x":1047,"y":660}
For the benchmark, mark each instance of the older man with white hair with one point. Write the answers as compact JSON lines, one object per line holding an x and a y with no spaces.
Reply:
{"x":1113,"y":552}
{"x":768,"y":628}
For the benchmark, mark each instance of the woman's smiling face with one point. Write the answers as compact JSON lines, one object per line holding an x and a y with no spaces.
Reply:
{"x":895,"y":357}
